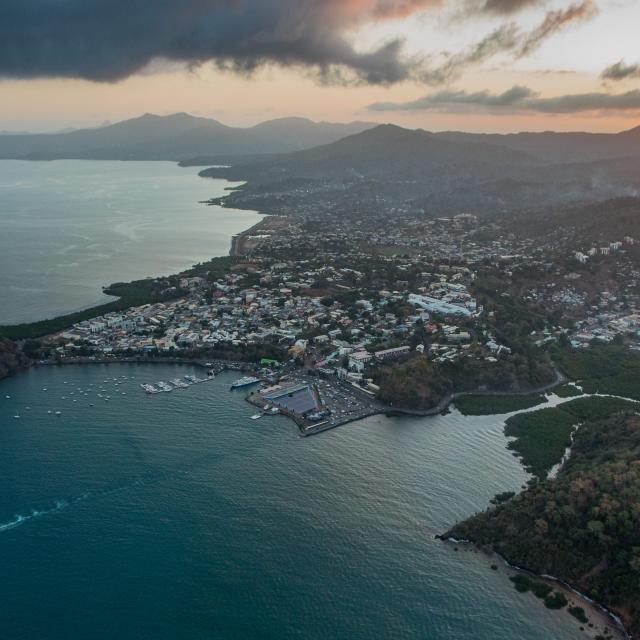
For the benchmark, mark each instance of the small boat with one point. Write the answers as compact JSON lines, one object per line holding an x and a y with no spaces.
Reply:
{"x":17,"y":415}
{"x":58,"y":413}
{"x":49,"y":412}
{"x":8,"y":397}
{"x":256,"y":416}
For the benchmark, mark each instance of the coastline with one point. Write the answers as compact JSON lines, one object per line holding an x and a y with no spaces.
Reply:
{"x":105,"y":299}
{"x":606,"y":616}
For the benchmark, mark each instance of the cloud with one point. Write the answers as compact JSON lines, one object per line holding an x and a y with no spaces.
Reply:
{"x":514,"y":100}
{"x":621,"y":71}
{"x":505,"y":7}
{"x":554,"y":21}
{"x":108,"y":40}
{"x":508,"y":38}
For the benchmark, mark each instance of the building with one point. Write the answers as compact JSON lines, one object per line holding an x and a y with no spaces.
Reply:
{"x":392,"y":354}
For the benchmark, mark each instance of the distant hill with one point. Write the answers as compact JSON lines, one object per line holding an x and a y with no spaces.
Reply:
{"x":176,"y":137}
{"x":437,"y":173}
{"x":387,"y":151}
{"x":560,"y":147}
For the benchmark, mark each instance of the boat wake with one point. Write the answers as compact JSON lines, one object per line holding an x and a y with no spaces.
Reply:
{"x":151,"y":477}
{"x":21,"y":519}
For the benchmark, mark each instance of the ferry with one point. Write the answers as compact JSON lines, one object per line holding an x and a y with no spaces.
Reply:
{"x":244,"y":382}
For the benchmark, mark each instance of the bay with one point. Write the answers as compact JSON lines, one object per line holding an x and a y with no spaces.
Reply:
{"x":70,"y":227}
{"x":177,"y":516}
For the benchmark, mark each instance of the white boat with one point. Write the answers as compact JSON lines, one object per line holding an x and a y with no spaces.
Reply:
{"x":244,"y":382}
{"x":58,"y":413}
{"x":256,"y":416}
{"x":17,"y":415}
{"x":149,"y":388}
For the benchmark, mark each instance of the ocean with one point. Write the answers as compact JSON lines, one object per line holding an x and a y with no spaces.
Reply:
{"x":176,"y":516}
{"x":70,"y":227}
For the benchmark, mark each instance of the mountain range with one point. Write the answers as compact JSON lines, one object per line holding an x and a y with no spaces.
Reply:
{"x":175,"y":137}
{"x":204,"y":141}
{"x":444,"y":173}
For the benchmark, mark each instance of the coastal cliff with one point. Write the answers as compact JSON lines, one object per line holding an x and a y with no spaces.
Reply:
{"x":12,"y":359}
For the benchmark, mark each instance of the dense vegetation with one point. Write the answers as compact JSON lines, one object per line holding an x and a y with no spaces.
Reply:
{"x":129,"y":294}
{"x":567,"y":391}
{"x":484,"y":405}
{"x":417,"y":383}
{"x":11,"y":358}
{"x":541,"y":437}
{"x":603,"y":368}
{"x":412,"y":384}
{"x":584,"y":526}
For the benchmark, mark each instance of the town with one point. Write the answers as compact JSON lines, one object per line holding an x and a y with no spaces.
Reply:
{"x":361,"y":307}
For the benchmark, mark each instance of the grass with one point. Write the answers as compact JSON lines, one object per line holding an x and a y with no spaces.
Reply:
{"x":483,"y":405}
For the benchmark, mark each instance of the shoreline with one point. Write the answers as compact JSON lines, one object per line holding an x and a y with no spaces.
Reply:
{"x":612,"y":621}
{"x":111,"y":301}
{"x":311,"y":429}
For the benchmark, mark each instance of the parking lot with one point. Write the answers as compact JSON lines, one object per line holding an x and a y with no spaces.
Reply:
{"x":339,"y":400}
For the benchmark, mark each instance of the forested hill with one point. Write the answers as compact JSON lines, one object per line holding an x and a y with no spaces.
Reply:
{"x":584,"y":526}
{"x":175,"y":137}
{"x":11,"y":358}
{"x":419,"y":170}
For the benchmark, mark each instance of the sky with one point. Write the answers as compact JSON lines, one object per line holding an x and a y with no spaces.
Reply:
{"x":473,"y":65}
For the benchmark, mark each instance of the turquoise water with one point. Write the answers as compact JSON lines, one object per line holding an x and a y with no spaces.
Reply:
{"x":176,"y":516}
{"x":70,"y":227}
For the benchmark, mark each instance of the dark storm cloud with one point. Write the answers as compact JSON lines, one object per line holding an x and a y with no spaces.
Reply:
{"x":515,"y":99}
{"x":621,"y":71}
{"x":108,"y":40}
